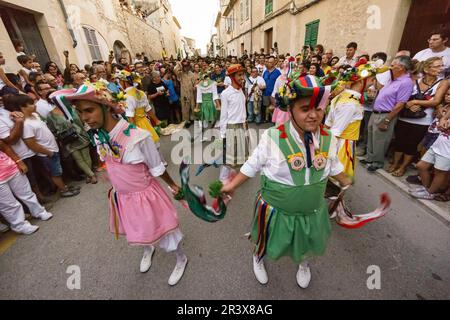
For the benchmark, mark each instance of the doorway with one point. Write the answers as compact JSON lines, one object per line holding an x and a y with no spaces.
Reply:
{"x":268,"y":35}
{"x":22,"y":26}
{"x":433,"y":15}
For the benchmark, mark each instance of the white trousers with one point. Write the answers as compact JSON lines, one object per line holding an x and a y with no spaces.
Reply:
{"x":11,"y":209}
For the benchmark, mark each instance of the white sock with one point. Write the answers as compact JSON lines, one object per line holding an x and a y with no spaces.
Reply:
{"x":181,"y":257}
{"x":148,"y":249}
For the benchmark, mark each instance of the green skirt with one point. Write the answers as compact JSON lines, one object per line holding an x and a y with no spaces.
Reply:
{"x":299,"y":234}
{"x":208,"y":111}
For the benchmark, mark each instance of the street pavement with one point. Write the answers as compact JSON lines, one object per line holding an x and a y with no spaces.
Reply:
{"x":409,"y":245}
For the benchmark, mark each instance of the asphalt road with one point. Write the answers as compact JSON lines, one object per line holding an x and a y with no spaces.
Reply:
{"x":409,"y":245}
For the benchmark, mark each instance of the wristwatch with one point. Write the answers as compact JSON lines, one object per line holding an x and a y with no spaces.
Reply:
{"x":387,"y":120}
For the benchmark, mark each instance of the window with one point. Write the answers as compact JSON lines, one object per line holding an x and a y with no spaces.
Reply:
{"x":91,"y":39}
{"x":312,"y":33}
{"x":247,"y":9}
{"x":268,"y":7}
{"x":241,"y":7}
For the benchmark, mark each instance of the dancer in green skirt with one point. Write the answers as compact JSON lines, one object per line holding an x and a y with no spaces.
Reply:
{"x":291,"y":214}
{"x":207,"y":103}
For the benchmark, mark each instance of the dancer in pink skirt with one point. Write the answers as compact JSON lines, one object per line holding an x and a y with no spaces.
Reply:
{"x":140,"y":209}
{"x":279,"y":116}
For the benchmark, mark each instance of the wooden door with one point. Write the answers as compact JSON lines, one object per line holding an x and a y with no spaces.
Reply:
{"x":269,"y":39}
{"x":424,"y":17}
{"x":22,"y":25}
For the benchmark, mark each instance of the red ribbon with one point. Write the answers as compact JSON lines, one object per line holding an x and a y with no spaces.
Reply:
{"x":282,"y":129}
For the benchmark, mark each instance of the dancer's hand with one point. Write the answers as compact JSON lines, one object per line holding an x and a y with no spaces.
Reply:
{"x":174,"y":189}
{"x":227,"y":189}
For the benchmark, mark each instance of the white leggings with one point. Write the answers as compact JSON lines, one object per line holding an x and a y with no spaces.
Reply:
{"x":11,"y":209}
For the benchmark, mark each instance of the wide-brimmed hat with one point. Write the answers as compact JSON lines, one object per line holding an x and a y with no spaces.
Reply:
{"x":101,"y":92}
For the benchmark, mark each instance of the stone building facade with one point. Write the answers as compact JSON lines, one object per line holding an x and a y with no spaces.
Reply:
{"x":89,"y":30}
{"x":376,"y":25}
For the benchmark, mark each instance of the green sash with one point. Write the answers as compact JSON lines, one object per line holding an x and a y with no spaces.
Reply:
{"x":301,"y":200}
{"x":315,"y":176}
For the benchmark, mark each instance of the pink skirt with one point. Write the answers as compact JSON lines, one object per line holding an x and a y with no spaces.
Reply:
{"x":280,"y":117}
{"x":144,"y":217}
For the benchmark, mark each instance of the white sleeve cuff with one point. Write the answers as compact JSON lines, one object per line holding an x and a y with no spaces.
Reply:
{"x":158,"y":171}
{"x":336,"y":168}
{"x":248,"y":170}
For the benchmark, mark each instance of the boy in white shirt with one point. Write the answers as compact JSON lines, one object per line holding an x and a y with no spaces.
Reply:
{"x":38,"y":137}
{"x":233,"y":124}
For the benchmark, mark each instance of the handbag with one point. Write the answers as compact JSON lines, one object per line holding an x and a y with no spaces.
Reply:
{"x":68,"y":136}
{"x":407,"y":113}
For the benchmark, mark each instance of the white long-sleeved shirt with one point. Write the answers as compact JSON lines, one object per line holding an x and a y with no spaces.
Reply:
{"x":134,"y":103}
{"x":212,"y":88}
{"x":342,"y":114}
{"x":233,"y":108}
{"x":271,"y":162}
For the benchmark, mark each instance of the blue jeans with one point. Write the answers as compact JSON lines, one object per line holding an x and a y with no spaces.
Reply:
{"x":251,"y":113}
{"x":52,"y":164}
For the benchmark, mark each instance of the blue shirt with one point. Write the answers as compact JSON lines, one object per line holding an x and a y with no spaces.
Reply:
{"x":270,"y":78}
{"x":219,"y":78}
{"x":173,"y":97}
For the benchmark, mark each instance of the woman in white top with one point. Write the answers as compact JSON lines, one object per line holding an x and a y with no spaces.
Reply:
{"x":428,"y":93}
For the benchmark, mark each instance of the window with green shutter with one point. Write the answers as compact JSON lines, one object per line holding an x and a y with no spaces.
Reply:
{"x":269,"y":6}
{"x":312,"y":33}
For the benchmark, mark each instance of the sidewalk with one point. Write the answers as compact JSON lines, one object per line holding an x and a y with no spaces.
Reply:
{"x":441,"y":210}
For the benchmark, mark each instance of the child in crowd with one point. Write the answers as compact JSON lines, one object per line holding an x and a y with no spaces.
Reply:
{"x":38,"y":137}
{"x":437,"y":158}
{"x":27,"y":68}
{"x":14,"y":183}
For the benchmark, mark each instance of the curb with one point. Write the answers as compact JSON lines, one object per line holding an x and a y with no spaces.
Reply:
{"x":439,"y":213}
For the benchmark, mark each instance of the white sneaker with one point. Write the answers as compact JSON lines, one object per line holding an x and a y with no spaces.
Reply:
{"x":260,"y":271}
{"x":3,"y":228}
{"x":303,"y":275}
{"x":25,"y":228}
{"x":178,"y":272}
{"x":417,"y":189}
{"x":44,"y":216}
{"x":146,"y":261}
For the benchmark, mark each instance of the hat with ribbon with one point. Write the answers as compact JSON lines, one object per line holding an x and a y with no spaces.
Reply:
{"x":308,"y":86}
{"x":132,"y":78}
{"x":362,"y":71}
{"x":235,"y":68}
{"x":102,"y":92}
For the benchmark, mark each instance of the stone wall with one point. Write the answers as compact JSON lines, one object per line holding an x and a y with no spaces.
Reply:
{"x":341,"y":22}
{"x":143,"y":37}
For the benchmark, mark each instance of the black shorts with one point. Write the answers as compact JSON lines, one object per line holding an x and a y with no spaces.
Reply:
{"x":408,"y":136}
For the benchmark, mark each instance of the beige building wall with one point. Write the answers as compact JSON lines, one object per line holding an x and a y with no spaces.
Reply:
{"x":376,"y":25}
{"x":50,"y":21}
{"x":109,"y":20}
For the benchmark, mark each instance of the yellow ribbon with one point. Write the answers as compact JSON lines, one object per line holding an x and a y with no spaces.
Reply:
{"x":324,"y":154}
{"x":296,"y":155}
